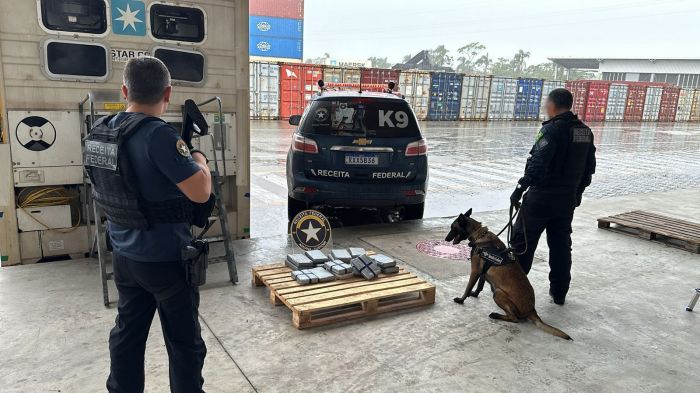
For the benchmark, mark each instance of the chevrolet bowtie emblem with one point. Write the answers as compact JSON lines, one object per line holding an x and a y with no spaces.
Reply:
{"x":362,"y":141}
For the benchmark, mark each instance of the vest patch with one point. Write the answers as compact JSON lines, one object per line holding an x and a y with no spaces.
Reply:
{"x":582,"y":135}
{"x":101,"y":155}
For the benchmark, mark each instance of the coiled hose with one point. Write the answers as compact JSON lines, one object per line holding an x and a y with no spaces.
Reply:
{"x":46,"y":196}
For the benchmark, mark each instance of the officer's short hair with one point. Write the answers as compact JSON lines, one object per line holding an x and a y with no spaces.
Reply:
{"x":561,"y":98}
{"x":146,"y":79}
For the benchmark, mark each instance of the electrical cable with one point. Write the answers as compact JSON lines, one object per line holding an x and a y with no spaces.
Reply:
{"x":43,"y":197}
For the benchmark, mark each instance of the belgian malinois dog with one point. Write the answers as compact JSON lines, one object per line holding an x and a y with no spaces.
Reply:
{"x":511,"y":289}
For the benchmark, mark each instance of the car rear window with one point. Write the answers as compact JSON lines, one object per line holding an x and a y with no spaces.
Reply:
{"x":367,"y":117}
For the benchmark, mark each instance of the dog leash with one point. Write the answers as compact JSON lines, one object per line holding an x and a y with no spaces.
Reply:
{"x":513,"y":213}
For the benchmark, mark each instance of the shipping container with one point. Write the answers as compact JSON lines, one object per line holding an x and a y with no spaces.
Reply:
{"x":617,"y":101}
{"x":502,"y":98}
{"x":474,"y":104}
{"x":445,"y":93}
{"x":264,"y":91}
{"x":528,"y":98}
{"x":695,"y":107}
{"x":415,"y":86}
{"x":269,"y":26}
{"x":636,"y":94}
{"x":685,"y":105}
{"x":547,"y":87}
{"x":298,"y":83}
{"x":579,"y":89}
{"x":341,"y":75}
{"x":597,"y":101}
{"x":292,"y":9}
{"x":669,"y":103}
{"x":379,"y":76}
{"x":276,"y":47}
{"x":652,"y":103}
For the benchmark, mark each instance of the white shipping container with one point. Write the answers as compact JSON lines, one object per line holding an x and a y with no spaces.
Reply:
{"x":547,"y":87}
{"x":617,"y":101}
{"x":695,"y":108}
{"x":264,"y":91}
{"x":341,"y":75}
{"x":415,"y":86}
{"x":502,"y":98}
{"x":652,"y":104}
{"x":475,"y":98}
{"x":685,"y":104}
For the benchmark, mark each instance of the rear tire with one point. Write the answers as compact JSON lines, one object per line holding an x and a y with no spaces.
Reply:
{"x":294,"y":207}
{"x":413,"y":212}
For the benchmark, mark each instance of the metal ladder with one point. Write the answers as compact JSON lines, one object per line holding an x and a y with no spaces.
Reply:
{"x":218,"y":180}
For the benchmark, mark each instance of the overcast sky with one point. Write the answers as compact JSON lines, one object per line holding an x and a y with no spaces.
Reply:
{"x":357,"y":29}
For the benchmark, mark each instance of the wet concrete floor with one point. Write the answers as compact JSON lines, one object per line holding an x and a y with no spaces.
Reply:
{"x":477,"y":164}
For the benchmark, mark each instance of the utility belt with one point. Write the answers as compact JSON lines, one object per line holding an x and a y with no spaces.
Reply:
{"x":195,"y":259}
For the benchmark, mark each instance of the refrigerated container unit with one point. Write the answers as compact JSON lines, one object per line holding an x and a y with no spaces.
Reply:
{"x":528,"y":99}
{"x":547,"y":87}
{"x":685,"y":105}
{"x":298,"y":83}
{"x":502,"y":98}
{"x":292,"y":9}
{"x":695,"y":107}
{"x":617,"y":101}
{"x":669,"y":103}
{"x":415,"y":86}
{"x":445,"y":94}
{"x":652,"y":103}
{"x":332,"y":75}
{"x":264,"y":91}
{"x":579,"y":90}
{"x":474,"y":104}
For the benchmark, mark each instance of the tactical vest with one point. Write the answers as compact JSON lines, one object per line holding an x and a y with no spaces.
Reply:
{"x":114,"y":186}
{"x":569,"y":164}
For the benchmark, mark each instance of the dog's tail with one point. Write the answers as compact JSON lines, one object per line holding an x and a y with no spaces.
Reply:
{"x":547,"y":328}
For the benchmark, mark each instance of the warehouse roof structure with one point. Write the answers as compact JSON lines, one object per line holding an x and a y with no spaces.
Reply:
{"x":681,"y":72}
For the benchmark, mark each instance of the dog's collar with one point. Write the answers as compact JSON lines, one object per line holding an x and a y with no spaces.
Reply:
{"x":478,"y":234}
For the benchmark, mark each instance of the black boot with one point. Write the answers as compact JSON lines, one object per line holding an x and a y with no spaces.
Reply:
{"x":557,"y":299}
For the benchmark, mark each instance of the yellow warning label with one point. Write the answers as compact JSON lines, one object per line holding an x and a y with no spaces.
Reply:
{"x":114,"y":106}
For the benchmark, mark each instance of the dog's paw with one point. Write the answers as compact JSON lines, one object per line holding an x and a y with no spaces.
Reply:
{"x":495,"y":315}
{"x":459,"y":300}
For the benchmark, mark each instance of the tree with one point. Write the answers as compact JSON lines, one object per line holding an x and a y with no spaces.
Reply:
{"x":440,"y":56}
{"x":519,"y":61}
{"x":483,"y":64}
{"x":380,"y":62}
{"x":469,"y":55}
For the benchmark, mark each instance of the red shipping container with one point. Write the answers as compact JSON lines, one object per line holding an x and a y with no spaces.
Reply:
{"x":636,"y":95}
{"x":579,"y":89}
{"x":597,"y":101}
{"x":292,"y":9}
{"x":669,"y":103}
{"x":379,"y":76}
{"x":298,"y":83}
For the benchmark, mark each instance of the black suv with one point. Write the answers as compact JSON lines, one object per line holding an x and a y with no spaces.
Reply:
{"x":355,"y":149}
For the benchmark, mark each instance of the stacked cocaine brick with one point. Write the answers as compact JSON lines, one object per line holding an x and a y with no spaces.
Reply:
{"x":315,"y":266}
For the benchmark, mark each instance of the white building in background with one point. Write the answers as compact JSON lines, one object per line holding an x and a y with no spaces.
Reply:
{"x":681,"y":72}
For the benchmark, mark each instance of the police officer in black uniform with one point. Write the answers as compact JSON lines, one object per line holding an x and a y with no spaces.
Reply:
{"x":559,"y":169}
{"x":145,"y":179}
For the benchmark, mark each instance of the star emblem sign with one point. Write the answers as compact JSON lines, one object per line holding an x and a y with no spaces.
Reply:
{"x":311,"y":233}
{"x":128,"y":17}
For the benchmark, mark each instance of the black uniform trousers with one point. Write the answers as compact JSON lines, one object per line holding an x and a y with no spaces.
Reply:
{"x":145,"y":287}
{"x":551,"y":210}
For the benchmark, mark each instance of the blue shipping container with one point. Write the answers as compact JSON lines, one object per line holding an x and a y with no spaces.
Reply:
{"x":445,"y":96}
{"x":528,"y":99}
{"x":268,"y":26}
{"x":276,"y":47}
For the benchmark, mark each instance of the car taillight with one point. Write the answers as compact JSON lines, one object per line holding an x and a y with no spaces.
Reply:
{"x":417,"y":148}
{"x":304,"y":145}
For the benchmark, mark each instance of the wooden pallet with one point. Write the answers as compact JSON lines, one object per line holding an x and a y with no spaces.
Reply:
{"x":651,"y":226}
{"x":342,"y":300}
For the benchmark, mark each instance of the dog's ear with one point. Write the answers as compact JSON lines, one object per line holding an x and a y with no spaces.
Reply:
{"x":469,"y":212}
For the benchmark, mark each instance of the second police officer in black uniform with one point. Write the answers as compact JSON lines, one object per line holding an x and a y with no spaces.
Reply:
{"x":146,"y":180}
{"x":560,"y":167}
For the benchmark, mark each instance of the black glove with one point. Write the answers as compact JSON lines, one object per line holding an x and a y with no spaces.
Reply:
{"x":516,"y":196}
